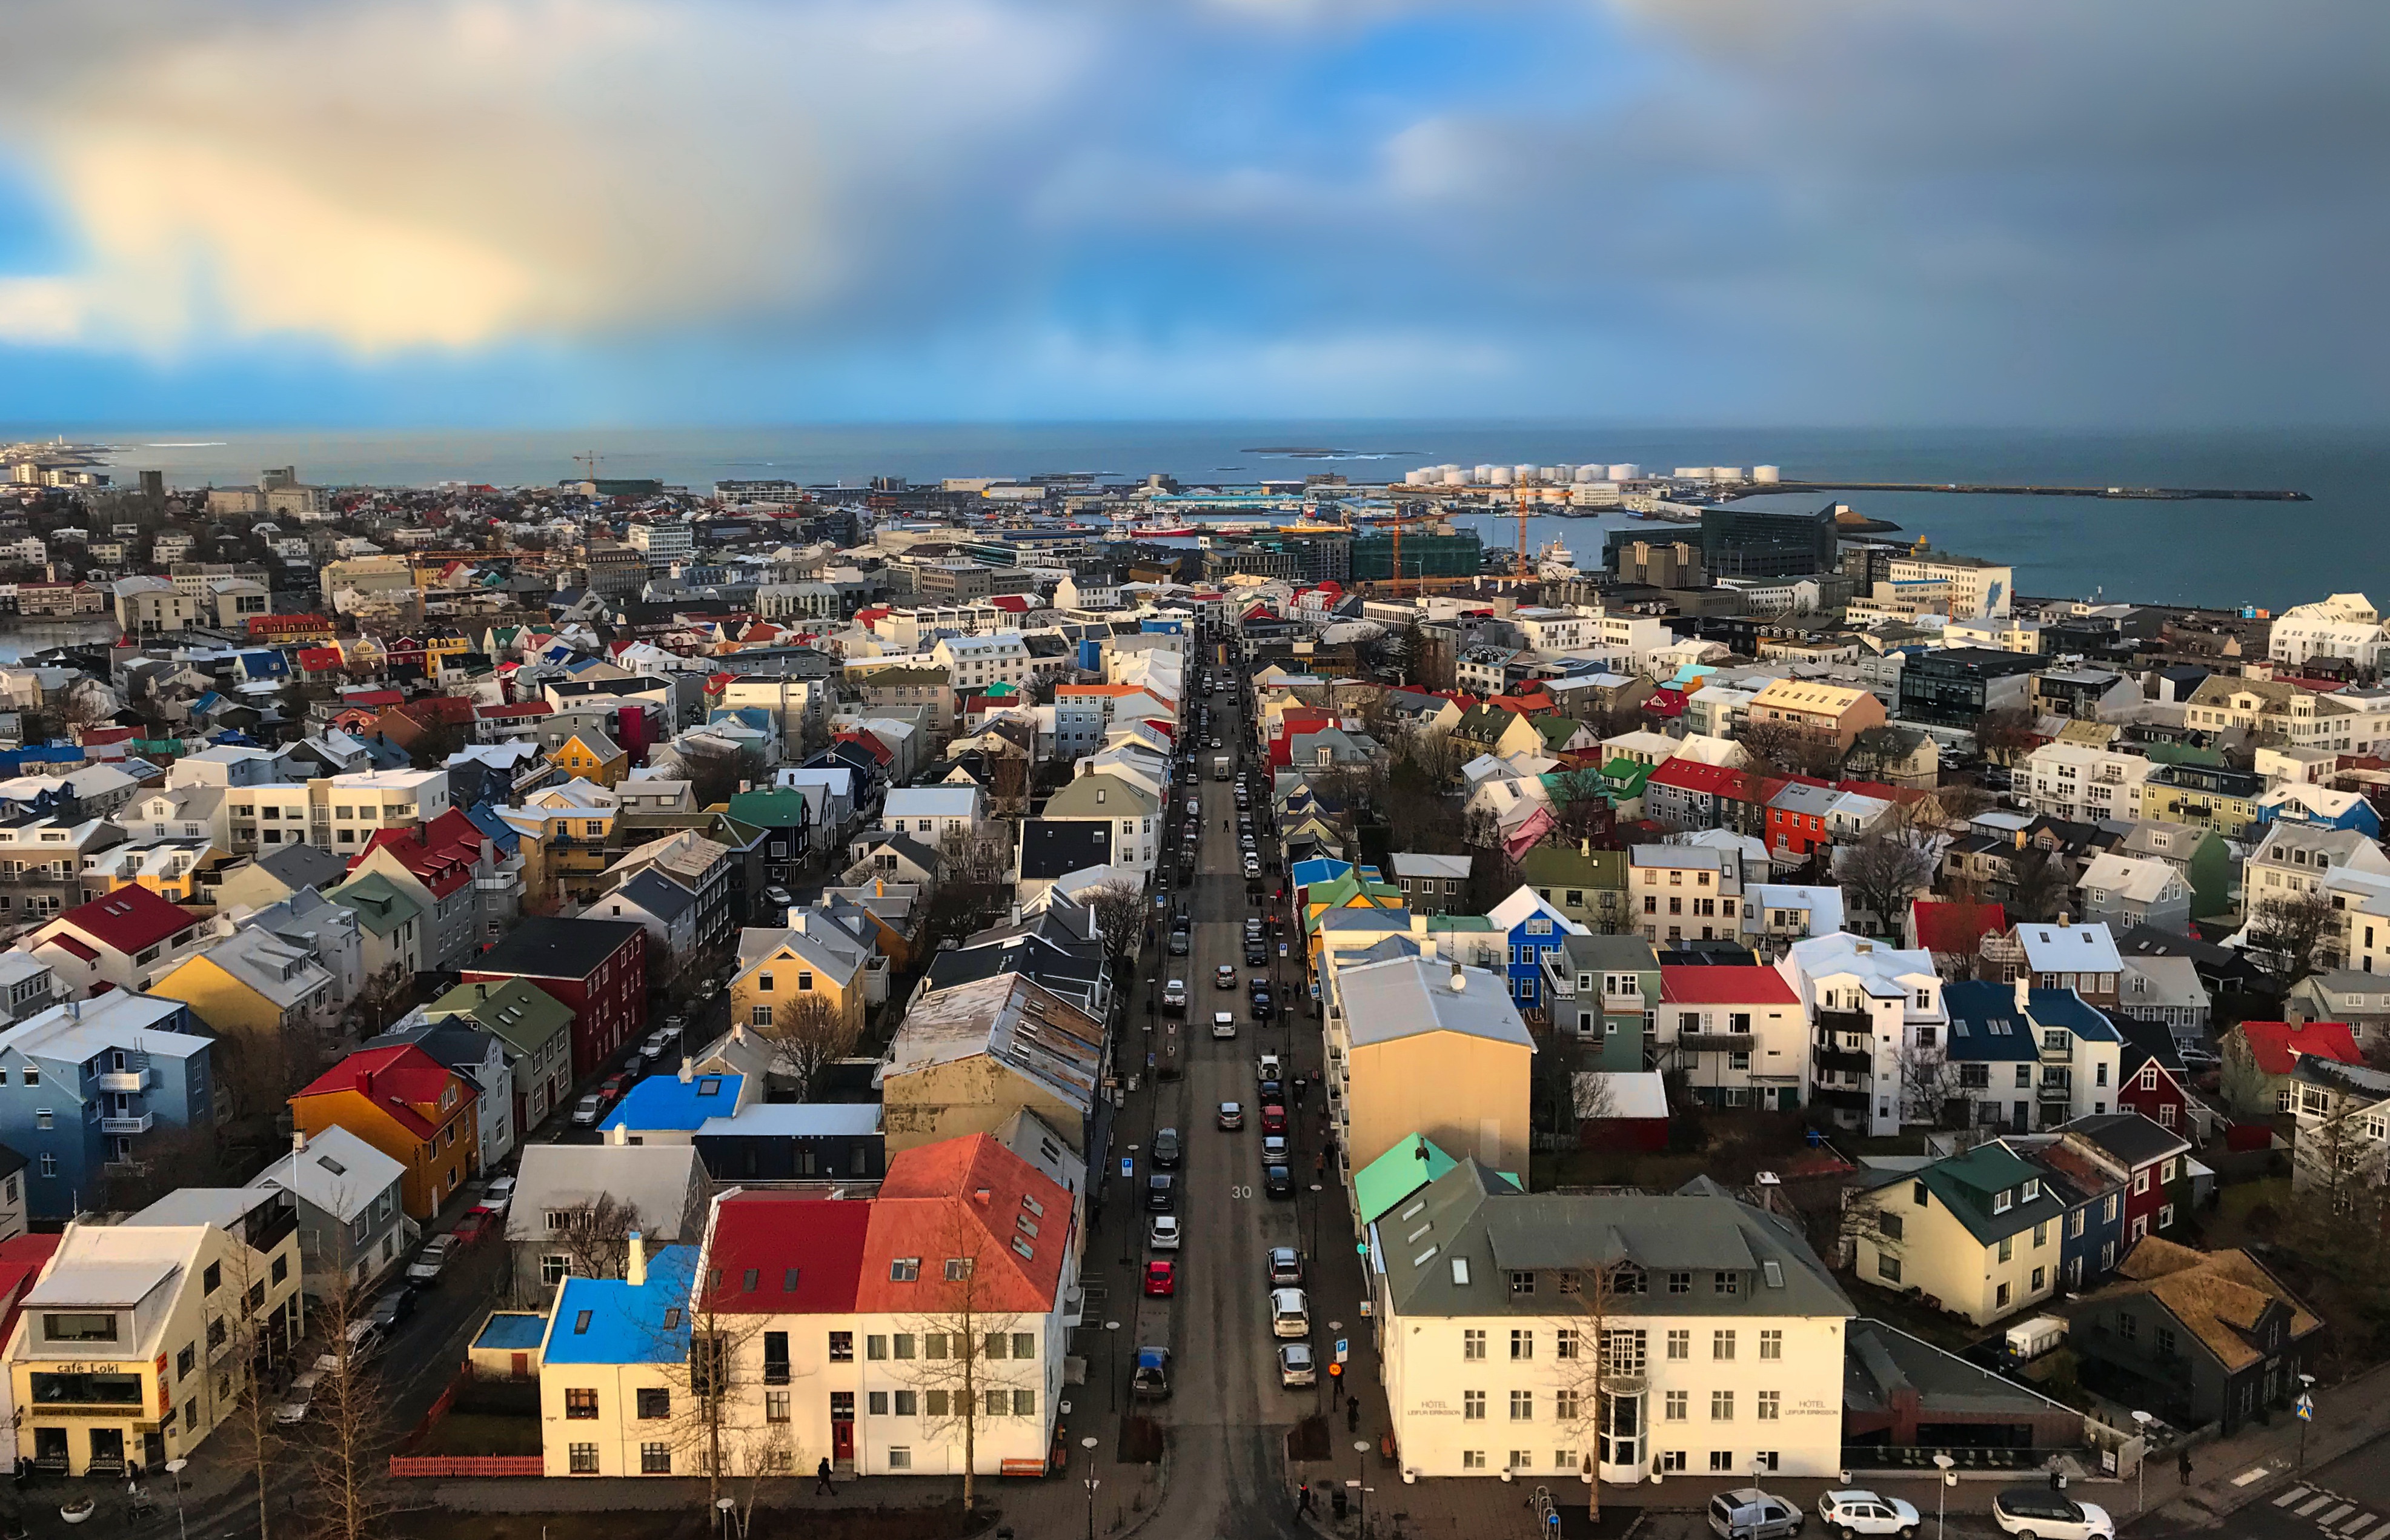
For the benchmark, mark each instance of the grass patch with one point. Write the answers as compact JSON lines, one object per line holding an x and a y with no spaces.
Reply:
{"x":482,"y":1433}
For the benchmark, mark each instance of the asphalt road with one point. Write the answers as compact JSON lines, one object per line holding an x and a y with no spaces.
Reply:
{"x":2348,"y":1499}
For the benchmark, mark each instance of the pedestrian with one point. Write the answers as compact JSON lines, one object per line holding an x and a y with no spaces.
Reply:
{"x":2183,"y":1465}
{"x":821,"y":1480}
{"x":1353,"y":1415}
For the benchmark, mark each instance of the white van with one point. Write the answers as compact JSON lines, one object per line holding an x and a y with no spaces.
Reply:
{"x":1290,"y":1312}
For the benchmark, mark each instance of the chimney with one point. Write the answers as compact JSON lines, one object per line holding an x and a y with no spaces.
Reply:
{"x":2062,"y":919}
{"x":298,"y":1141}
{"x":2023,"y":999}
{"x":2294,"y":1017}
{"x":635,"y":1263}
{"x":1459,"y":980}
{"x":481,"y":992}
{"x":981,"y":1196}
{"x":685,"y":1070}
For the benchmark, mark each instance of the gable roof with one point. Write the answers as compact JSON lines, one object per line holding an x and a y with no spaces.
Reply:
{"x":1411,"y":997}
{"x":336,"y":1171}
{"x":1756,"y":984}
{"x":669,"y":1102}
{"x":658,"y":1182}
{"x":1956,"y":928}
{"x":972,"y":1192}
{"x":2130,"y":1137}
{"x":803,"y":1252}
{"x":129,"y":919}
{"x":2276,"y":1045}
{"x":545,"y":946}
{"x":397,"y":1079}
{"x":615,"y":1321}
{"x":2218,"y":1296}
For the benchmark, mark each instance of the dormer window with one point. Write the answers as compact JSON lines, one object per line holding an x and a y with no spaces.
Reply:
{"x":2003,"y":1201}
{"x":2032,"y":1188}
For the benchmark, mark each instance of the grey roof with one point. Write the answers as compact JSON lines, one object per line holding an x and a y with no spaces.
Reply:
{"x":303,"y":865}
{"x":1880,"y":1360}
{"x":2132,"y":1138}
{"x":337,"y":1173}
{"x":797,"y":1120}
{"x":664,"y":1183}
{"x":1472,"y":1214}
{"x":1410,"y":996}
{"x":657,"y":895}
{"x":1616,"y":954}
{"x":1416,"y":864}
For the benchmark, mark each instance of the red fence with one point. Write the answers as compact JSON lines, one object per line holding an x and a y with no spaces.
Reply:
{"x":466,"y":1465}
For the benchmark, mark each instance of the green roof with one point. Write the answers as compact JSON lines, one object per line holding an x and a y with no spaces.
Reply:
{"x":1458,"y":922}
{"x":2182,"y":754}
{"x":1557,"y":730}
{"x":782,"y":807}
{"x":380,"y":904}
{"x":517,"y":1012}
{"x":1562,"y":866}
{"x":1397,"y":1173}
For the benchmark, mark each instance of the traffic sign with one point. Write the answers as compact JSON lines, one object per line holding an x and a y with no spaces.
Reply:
{"x":2305,"y":1407}
{"x":1342,"y":1346}
{"x":1128,"y":1167}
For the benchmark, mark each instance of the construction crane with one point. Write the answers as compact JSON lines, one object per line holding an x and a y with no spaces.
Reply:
{"x":1395,"y":526}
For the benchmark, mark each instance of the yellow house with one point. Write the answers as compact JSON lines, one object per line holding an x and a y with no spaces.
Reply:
{"x":443,"y":651}
{"x":1978,"y":1234}
{"x":566,"y":831}
{"x":251,"y":981}
{"x":815,"y":960}
{"x":592,"y":756}
{"x":2203,"y":796}
{"x":1424,"y":1047}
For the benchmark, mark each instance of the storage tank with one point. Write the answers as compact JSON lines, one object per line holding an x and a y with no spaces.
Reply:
{"x":1455,"y":477}
{"x":1628,"y":472}
{"x":1499,"y":475}
{"x":1483,"y":475}
{"x":1525,"y":473}
{"x":1766,"y":473}
{"x":1559,"y":475}
{"x":1726,"y":473}
{"x":1693,"y":473}
{"x":1415,"y":477}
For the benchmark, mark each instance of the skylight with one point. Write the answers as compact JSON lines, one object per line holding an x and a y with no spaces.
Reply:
{"x":1459,"y":1265}
{"x":580,"y":1323}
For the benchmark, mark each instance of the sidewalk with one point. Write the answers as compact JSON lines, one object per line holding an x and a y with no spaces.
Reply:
{"x":2230,"y":1473}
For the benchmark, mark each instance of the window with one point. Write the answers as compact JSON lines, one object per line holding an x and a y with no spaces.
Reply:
{"x":1472,"y":1405}
{"x":1472,"y":1346}
{"x":655,"y":1459}
{"x":876,"y":1404}
{"x":551,"y":1270}
{"x":775,"y":1405}
{"x":1565,"y":1340}
{"x":583,"y":1460}
{"x":1722,"y":1346}
{"x":875,"y":1347}
{"x":1721,"y":1405}
{"x":2166,"y":1341}
{"x":1523,"y":1283}
{"x":1674,"y":1405}
{"x":1523,"y":1345}
{"x":1726,"y":1283}
{"x":2008,"y":1247}
{"x":1887,"y":1268}
{"x":654,"y":1404}
{"x":1024,"y":1344}
{"x":212,"y":1280}
{"x":1680,"y":1344}
{"x":904,"y":1269}
{"x":2001,"y":1296}
{"x":1772,"y":1344}
{"x":1672,"y":1459}
{"x":1472,"y":1459}
{"x":1770,"y":1403}
{"x":842,"y":1347}
{"x":1680,"y":1283}
{"x":581,"y":1405}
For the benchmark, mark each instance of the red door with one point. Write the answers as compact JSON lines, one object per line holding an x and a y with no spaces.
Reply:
{"x":842,"y":1427}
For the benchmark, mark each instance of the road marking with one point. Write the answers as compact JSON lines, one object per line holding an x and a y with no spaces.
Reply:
{"x":2254,"y":1474}
{"x":2360,"y":1521}
{"x":2336,"y":1515}
{"x":2293,"y":1495}
{"x":2378,"y":1533}
{"x":2312,"y":1504}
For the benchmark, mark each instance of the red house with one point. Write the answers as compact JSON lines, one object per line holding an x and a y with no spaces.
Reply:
{"x":598,"y":966}
{"x":2152,"y":1075}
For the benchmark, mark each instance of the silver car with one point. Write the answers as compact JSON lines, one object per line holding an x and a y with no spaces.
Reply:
{"x":1294,"y":1366}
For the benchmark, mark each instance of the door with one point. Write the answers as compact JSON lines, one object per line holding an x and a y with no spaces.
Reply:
{"x":153,"y":1449}
{"x":107,"y":1450}
{"x":842,"y":1427}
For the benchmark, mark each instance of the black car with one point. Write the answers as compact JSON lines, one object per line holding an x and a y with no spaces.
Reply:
{"x":1271,"y":1090}
{"x":1161,"y":1193}
{"x":1166,"y":1149}
{"x":1256,"y":955}
{"x":1263,"y":1010}
{"x":392,"y":1307}
{"x":1278,"y":1182}
{"x":1178,"y":943}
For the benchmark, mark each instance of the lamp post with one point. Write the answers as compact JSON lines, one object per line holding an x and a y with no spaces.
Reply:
{"x":727,"y":1514}
{"x":1111,"y":1380}
{"x":1093,"y":1482}
{"x":2141,"y":1482}
{"x":2307,"y":1384}
{"x":1361,"y":1447}
{"x":176,"y":1468}
{"x":1942,"y":1493}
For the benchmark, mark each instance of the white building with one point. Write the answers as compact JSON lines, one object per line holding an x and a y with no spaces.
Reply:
{"x":1977,"y":588}
{"x":1874,"y":1006}
{"x":2344,"y":628}
{"x":2085,"y":784}
{"x":664,"y":541}
{"x":975,"y":662}
{"x":931,"y":812}
{"x":1720,"y":1340}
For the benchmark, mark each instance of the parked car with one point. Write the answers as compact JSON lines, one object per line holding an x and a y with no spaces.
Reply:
{"x":392,"y":1306}
{"x":1161,"y":1192}
{"x":1273,"y":1117}
{"x":586,"y":1111}
{"x":2038,"y":1513}
{"x":1150,"y":1382}
{"x":1278,"y":1182}
{"x":1161,"y":1280}
{"x":295,"y":1402}
{"x":1180,"y":944}
{"x":1223,"y":1024}
{"x":1224,"y":977}
{"x":1274,"y":1150}
{"x":612,"y":1087}
{"x":1256,"y":955}
{"x":1294,"y":1366}
{"x":1290,"y":1312}
{"x":652,"y":1047}
{"x":500,"y":1195}
{"x":1167,"y":1148}
{"x":478,"y":1225}
{"x":1174,"y":995}
{"x":1262,"y":1008}
{"x":1854,"y":1512}
{"x":1747,"y":1513}
{"x":1268,"y":1066}
{"x":365,"y":1339}
{"x":425,"y":1268}
{"x":1163,"y":1233}
{"x":779,"y":898}
{"x":1232,"y":1114}
{"x":1252,"y":927}
{"x":1284,"y":1266}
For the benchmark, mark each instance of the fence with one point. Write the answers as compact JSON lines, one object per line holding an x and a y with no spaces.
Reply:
{"x":466,"y":1465}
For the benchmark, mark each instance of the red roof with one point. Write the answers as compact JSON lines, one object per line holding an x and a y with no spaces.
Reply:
{"x":1010,"y":603}
{"x":441,"y":854}
{"x":397,"y":1079}
{"x":21,"y":1260}
{"x":320,"y":660}
{"x":1956,"y":928}
{"x":127,"y":919}
{"x":872,"y":744}
{"x":260,"y":625}
{"x":871,"y":612}
{"x":1697,"y":985}
{"x":456,"y":711}
{"x":1882,"y":793}
{"x":512,"y":712}
{"x":815,"y":1242}
{"x":2277,"y":1045}
{"x":1685,"y":774}
{"x":374,"y":698}
{"x":1665,"y":701}
{"x":971,"y":1186}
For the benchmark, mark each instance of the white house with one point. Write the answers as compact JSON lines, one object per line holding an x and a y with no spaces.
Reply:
{"x":1874,"y":1005}
{"x":931,"y":812}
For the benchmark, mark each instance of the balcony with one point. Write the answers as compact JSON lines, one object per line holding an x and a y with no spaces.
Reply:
{"x":1727,"y":1042}
{"x":128,"y":1081}
{"x":137,"y":1123}
{"x":1825,"y":1056}
{"x":2059,"y":1092}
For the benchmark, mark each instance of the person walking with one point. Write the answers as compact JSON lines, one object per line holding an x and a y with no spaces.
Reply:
{"x":2183,"y":1466}
{"x":1353,"y":1415}
{"x":822,"y":1486}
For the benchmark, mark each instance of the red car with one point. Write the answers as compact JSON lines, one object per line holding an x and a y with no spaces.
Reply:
{"x":614,"y":1088}
{"x":1272,"y":1119}
{"x":1161,"y":1280}
{"x":478,"y":1224}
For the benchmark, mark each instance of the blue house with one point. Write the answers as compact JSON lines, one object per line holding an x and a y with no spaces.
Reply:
{"x":671,"y":1109}
{"x":2091,"y":1237}
{"x":2321,"y":807}
{"x":1530,"y":928}
{"x":86,"y":1084}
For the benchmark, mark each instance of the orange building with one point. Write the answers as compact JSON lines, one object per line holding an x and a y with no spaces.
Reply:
{"x":410,"y":1106}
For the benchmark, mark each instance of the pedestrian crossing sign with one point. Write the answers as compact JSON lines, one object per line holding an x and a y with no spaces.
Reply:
{"x":2305,"y":1407}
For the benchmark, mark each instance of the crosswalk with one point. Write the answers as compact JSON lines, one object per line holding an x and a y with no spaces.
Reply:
{"x":2333,"y":1515}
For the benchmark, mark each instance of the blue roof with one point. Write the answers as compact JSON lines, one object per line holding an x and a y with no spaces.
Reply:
{"x":1985,"y":1023}
{"x":511,"y":1331}
{"x":2064,"y":1008}
{"x":485,"y":818}
{"x":1322,"y":871}
{"x":609,"y":1321}
{"x":668,"y":1101}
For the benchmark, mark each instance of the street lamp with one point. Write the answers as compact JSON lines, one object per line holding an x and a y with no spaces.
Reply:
{"x":1093,"y":1482}
{"x":1111,"y":1380}
{"x":729,"y":1512}
{"x":1942,"y":1493}
{"x":2140,"y":1483}
{"x":176,"y":1468}
{"x":2307,"y":1383}
{"x":1361,"y":1447}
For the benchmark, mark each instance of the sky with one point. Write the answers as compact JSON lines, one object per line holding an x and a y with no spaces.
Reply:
{"x":551,"y":212}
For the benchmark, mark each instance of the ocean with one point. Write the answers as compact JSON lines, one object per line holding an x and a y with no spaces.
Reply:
{"x":2214,"y":553}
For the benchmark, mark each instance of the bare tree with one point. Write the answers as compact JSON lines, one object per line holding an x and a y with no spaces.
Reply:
{"x":2296,"y":929}
{"x":1929,"y":1082}
{"x":714,"y":1409}
{"x":594,"y":1238}
{"x":1119,"y":909}
{"x":959,"y":1336}
{"x":2038,"y":882}
{"x":1596,"y":1367}
{"x":348,"y":1495}
{"x":1787,"y":749}
{"x":2003,"y":735}
{"x":1886,"y":867}
{"x":1961,"y":802}
{"x":248,"y":1423}
{"x":808,"y":1033}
